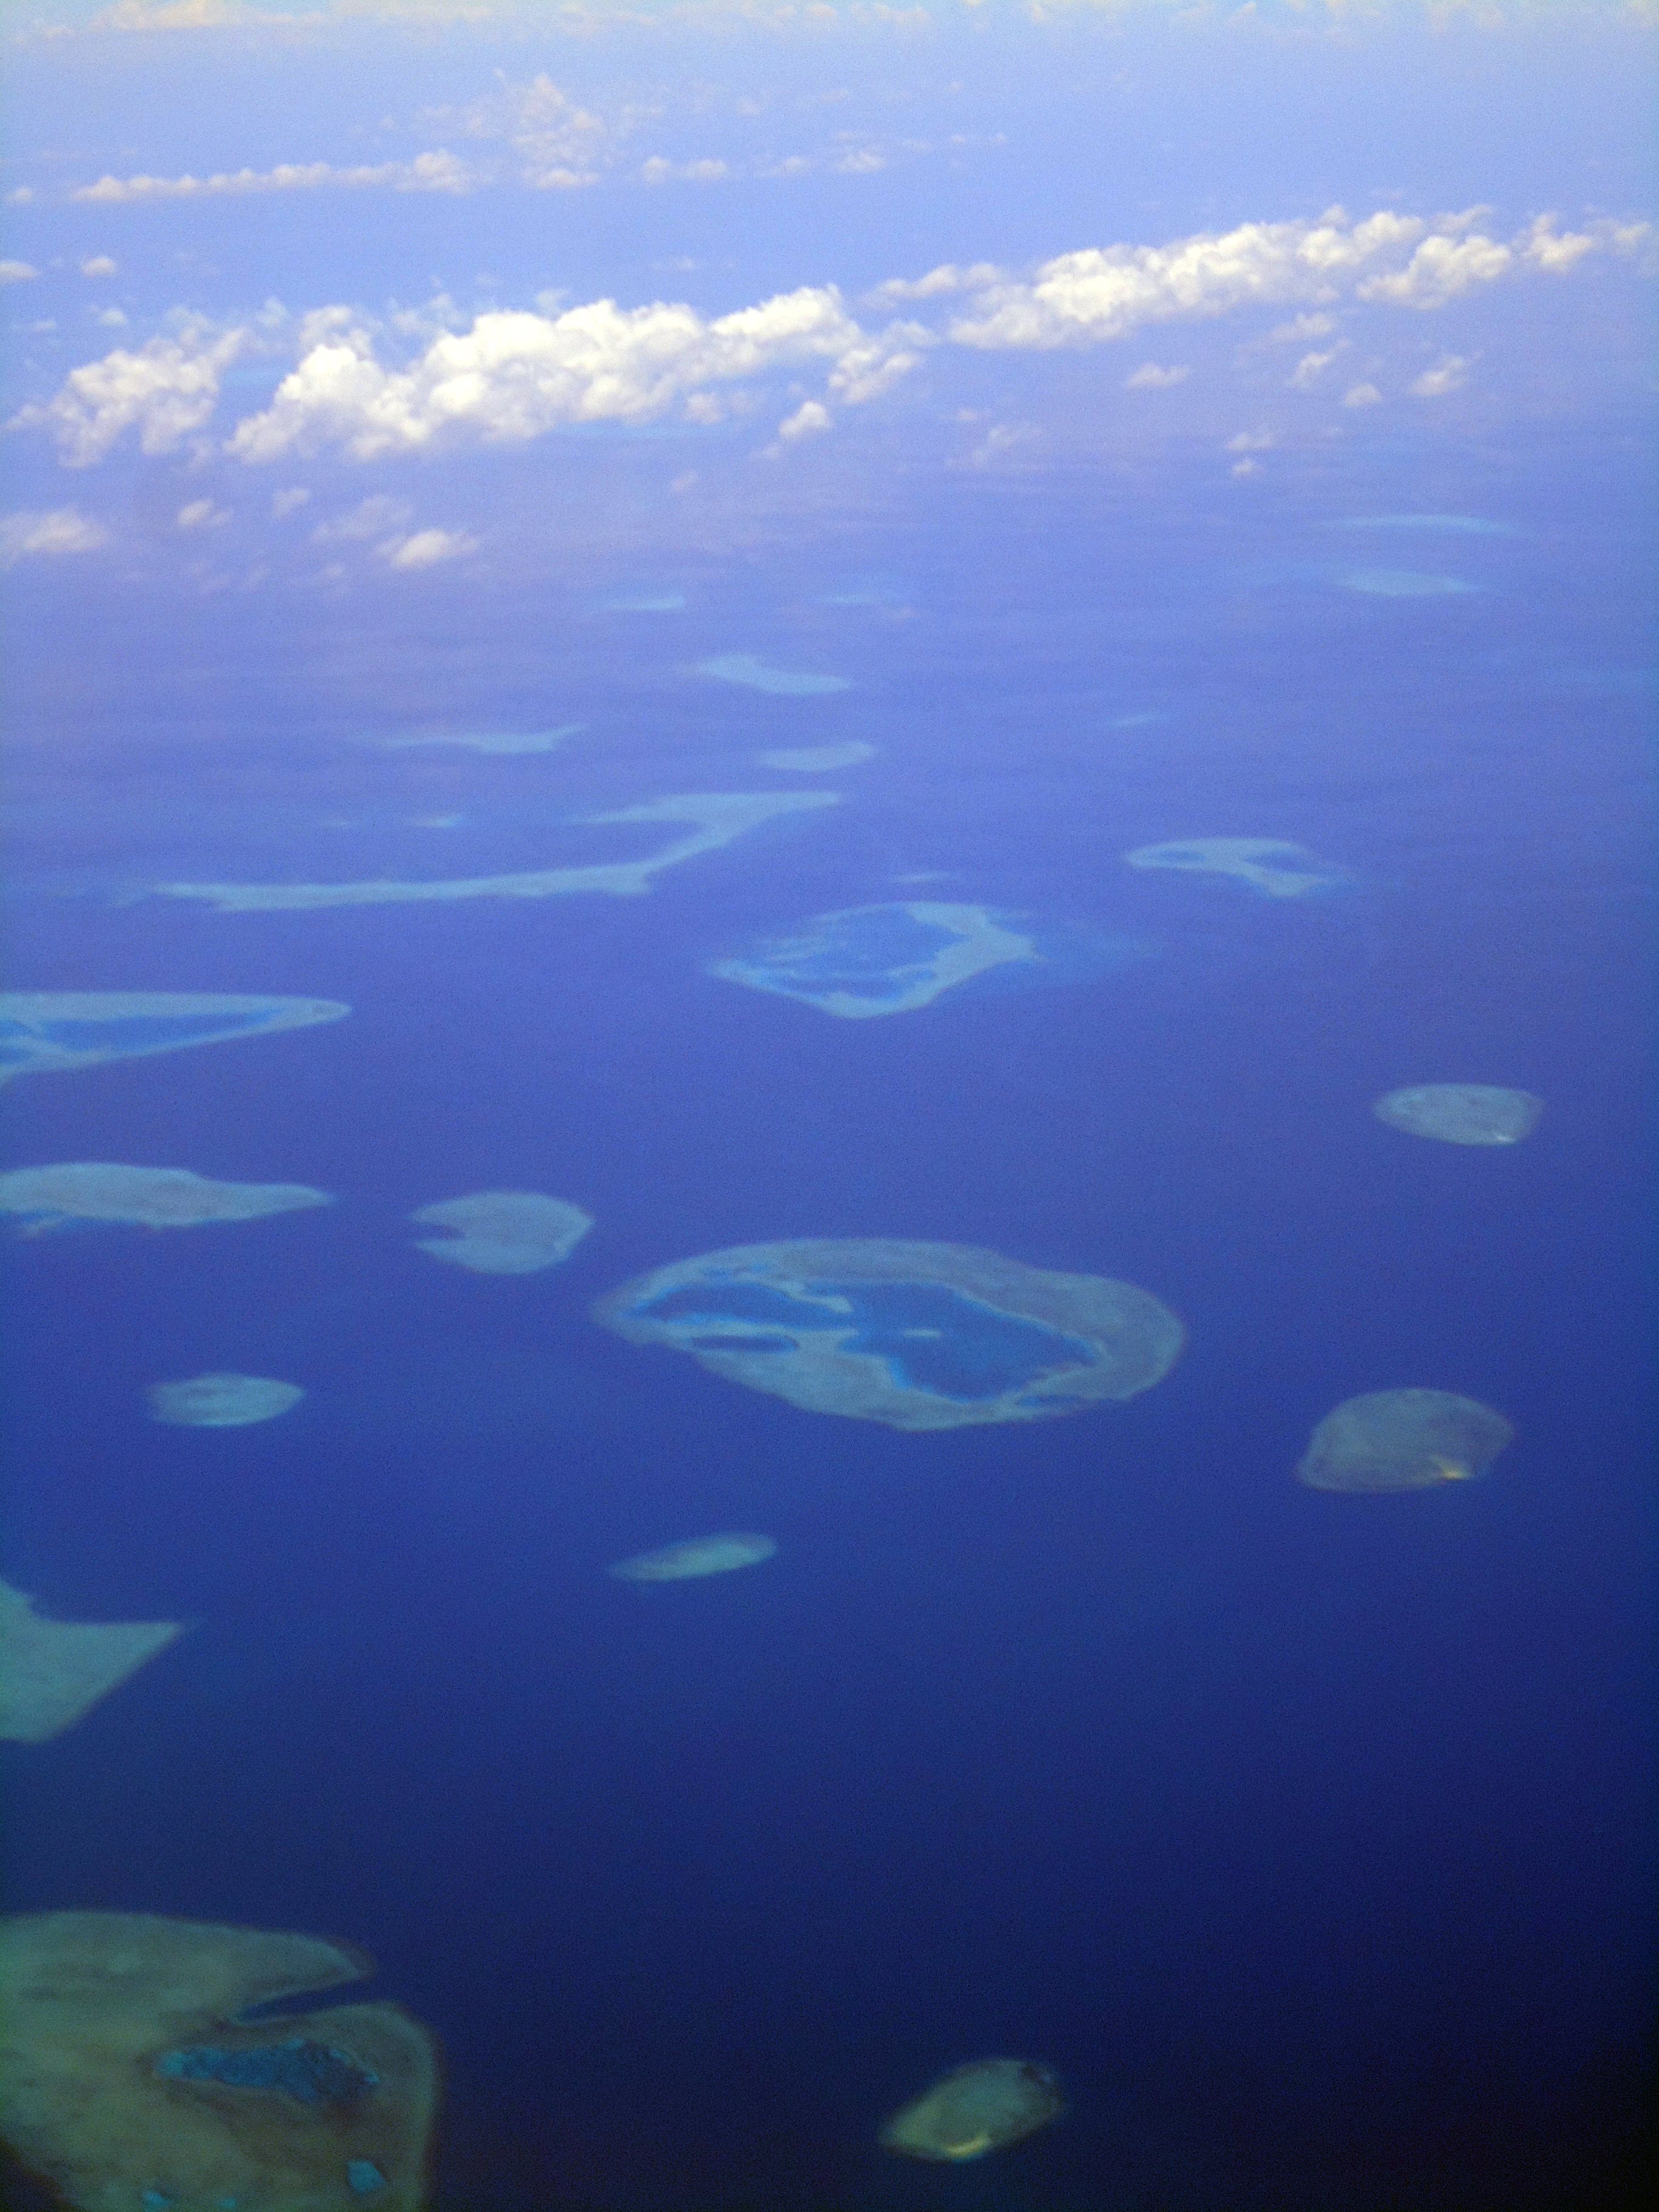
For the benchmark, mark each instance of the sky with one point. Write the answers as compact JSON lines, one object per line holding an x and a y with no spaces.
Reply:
{"x":328,"y":298}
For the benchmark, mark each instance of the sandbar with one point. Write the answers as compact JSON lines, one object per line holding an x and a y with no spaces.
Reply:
{"x":697,"y":1556}
{"x":493,"y":741}
{"x":818,"y":760}
{"x":784,"y":682}
{"x":222,"y":1400}
{"x":715,"y":818}
{"x":42,"y":1031}
{"x":156,"y":1197}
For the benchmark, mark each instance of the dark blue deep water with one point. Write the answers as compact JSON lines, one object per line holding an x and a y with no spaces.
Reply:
{"x":1308,"y":1838}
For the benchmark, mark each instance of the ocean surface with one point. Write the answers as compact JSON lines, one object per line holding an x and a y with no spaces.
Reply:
{"x":1308,"y":1838}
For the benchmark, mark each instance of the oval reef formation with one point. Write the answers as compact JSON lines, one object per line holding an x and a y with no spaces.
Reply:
{"x":698,"y":1555}
{"x":979,"y":2107}
{"x":131,"y":2076}
{"x":1460,"y":1113}
{"x":1403,"y":1440}
{"x":917,"y":1336}
{"x":503,"y":1232}
{"x":222,"y":1401}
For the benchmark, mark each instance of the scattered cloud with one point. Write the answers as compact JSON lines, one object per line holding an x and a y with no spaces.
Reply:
{"x":98,"y":264}
{"x":437,"y":171}
{"x":1252,"y":441}
{"x":202,"y":514}
{"x":110,"y":318}
{"x":1312,"y":366}
{"x":514,"y":375}
{"x":807,"y":419}
{"x":1301,"y":328}
{"x":426,"y":548}
{"x":1450,"y":373}
{"x":1361,"y":395}
{"x":559,"y":146}
{"x":165,"y":390}
{"x":1439,"y":270}
{"x":1001,"y":440}
{"x":284,"y":503}
{"x":25,"y":535}
{"x":1149,"y":377}
{"x":17,"y":272}
{"x":370,"y":517}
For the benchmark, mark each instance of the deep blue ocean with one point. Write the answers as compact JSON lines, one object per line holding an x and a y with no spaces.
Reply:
{"x":1308,"y":1838}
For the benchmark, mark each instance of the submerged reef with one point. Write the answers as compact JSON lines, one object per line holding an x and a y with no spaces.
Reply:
{"x":816,"y":760}
{"x":493,"y":741}
{"x":871,"y":960}
{"x":1269,"y":864}
{"x":43,"y":1031}
{"x":53,"y":1672}
{"x":916,"y":1335}
{"x":156,"y":1197}
{"x":130,"y":2077}
{"x":1403,"y":1440}
{"x":697,"y":1556}
{"x":784,"y":682}
{"x":715,"y":818}
{"x":222,"y":1401}
{"x":1461,"y":1113}
{"x":979,"y":2107}
{"x":503,"y":1232}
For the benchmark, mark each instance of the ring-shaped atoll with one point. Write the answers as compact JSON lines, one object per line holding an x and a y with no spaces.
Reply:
{"x":1403,"y":1440}
{"x":1271,"y":866}
{"x":1461,"y":1113}
{"x":916,"y":1335}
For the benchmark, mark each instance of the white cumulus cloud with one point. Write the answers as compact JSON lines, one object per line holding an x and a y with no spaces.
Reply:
{"x":1450,"y":373}
{"x":1149,"y":377}
{"x":1439,"y":270}
{"x":98,"y":264}
{"x":1361,"y":395}
{"x":808,"y":418}
{"x":202,"y":514}
{"x":165,"y":390}
{"x":514,"y":375}
{"x":25,"y":534}
{"x":17,"y":272}
{"x":423,"y":549}
{"x":559,"y":145}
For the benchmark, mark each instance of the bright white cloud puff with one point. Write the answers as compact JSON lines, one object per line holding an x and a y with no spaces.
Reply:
{"x":165,"y":391}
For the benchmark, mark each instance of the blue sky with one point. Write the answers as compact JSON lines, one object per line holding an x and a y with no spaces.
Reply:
{"x":311,"y":294}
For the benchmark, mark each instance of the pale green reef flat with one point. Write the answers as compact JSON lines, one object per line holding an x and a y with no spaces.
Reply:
{"x":872,"y":960}
{"x":45,"y":1031}
{"x":1405,"y":584}
{"x":816,"y":760}
{"x":696,"y":1556}
{"x":494,"y":741}
{"x":503,"y":1232}
{"x":784,"y":682}
{"x":1403,"y":1440}
{"x":1461,"y":1113}
{"x":52,"y":1672}
{"x":1269,"y":864}
{"x":155,"y":1198}
{"x":916,"y":1335}
{"x":714,"y":820}
{"x":222,"y":1400}
{"x":1464,"y":525}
